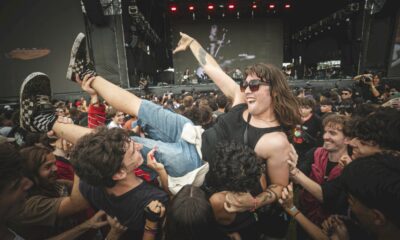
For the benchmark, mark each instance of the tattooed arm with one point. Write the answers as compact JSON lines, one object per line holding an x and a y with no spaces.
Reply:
{"x":211,"y":68}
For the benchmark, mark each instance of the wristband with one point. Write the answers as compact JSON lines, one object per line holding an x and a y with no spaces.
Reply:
{"x":150,"y":215}
{"x":294,"y":211}
{"x":190,"y":42}
{"x":255,"y":205}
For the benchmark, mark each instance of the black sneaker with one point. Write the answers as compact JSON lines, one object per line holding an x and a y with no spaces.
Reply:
{"x":37,"y":114}
{"x":79,"y":62}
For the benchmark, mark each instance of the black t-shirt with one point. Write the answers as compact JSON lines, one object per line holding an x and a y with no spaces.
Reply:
{"x":367,"y":92}
{"x":310,"y":136}
{"x":128,"y":208}
{"x":231,"y":127}
{"x":334,"y":196}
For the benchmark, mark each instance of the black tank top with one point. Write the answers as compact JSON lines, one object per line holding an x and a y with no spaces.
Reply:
{"x":232,"y":127}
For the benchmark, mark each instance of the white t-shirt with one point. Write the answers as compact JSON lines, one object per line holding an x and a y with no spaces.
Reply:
{"x":112,"y":124}
{"x":195,"y":177}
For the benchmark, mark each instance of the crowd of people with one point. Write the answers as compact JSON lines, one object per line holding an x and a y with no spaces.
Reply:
{"x":240,"y":163}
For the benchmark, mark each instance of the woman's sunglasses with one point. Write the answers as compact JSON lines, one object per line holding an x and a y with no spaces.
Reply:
{"x":254,"y":84}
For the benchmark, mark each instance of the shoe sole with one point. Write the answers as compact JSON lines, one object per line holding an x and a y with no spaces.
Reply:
{"x":24,"y":92}
{"x":74,"y":50}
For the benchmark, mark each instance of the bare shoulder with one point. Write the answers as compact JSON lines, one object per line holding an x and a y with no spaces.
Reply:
{"x":271,"y":144}
{"x":217,"y":200}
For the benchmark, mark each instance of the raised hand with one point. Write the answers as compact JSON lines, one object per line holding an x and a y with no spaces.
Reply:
{"x":183,"y":43}
{"x":86,"y":83}
{"x":154,"y":211}
{"x":292,"y":161}
{"x":152,"y":161}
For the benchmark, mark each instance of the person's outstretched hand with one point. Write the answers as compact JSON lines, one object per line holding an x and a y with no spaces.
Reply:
{"x":152,"y":161}
{"x":86,"y":83}
{"x":183,"y":43}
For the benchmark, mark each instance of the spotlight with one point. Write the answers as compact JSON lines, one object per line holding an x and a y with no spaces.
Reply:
{"x":287,"y":6}
{"x":231,"y":6}
{"x":173,"y":8}
{"x":210,"y":7}
{"x":191,"y":8}
{"x":271,"y":6}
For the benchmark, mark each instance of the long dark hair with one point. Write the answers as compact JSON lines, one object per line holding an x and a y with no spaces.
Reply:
{"x":33,"y":158}
{"x":285,"y":104}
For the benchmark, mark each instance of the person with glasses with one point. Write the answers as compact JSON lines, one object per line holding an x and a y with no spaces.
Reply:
{"x":263,"y":108}
{"x":346,"y":93}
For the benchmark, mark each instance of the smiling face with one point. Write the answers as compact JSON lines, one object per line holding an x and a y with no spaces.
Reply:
{"x":259,"y":101}
{"x":48,"y":169}
{"x":119,"y":118}
{"x":334,"y":138}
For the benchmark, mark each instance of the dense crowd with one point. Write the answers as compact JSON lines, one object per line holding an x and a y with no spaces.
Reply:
{"x":240,"y":163}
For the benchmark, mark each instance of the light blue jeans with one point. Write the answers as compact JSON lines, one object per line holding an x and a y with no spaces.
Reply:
{"x":165,"y":128}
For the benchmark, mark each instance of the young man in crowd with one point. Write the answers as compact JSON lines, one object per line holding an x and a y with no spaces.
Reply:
{"x":117,"y":118}
{"x":47,"y":211}
{"x":105,"y":159}
{"x":321,"y":165}
{"x":371,"y":134}
{"x":308,"y":134}
{"x":373,"y":187}
{"x":221,"y":102}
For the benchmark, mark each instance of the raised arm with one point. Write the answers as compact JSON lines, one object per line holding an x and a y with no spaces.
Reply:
{"x":74,"y":203}
{"x":211,"y":68}
{"x":300,"y":178}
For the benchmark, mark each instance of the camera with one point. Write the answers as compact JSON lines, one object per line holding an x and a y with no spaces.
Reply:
{"x":366,"y":79}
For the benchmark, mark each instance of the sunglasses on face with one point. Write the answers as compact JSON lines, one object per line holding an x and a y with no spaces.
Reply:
{"x":254,"y":84}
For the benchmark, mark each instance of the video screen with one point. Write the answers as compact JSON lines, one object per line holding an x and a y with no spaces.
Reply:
{"x":235,"y":44}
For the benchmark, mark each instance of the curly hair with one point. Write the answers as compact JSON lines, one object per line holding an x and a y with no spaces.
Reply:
{"x":285,"y":104}
{"x":235,"y":168}
{"x":97,"y":156}
{"x":375,"y":181}
{"x":381,"y":127}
